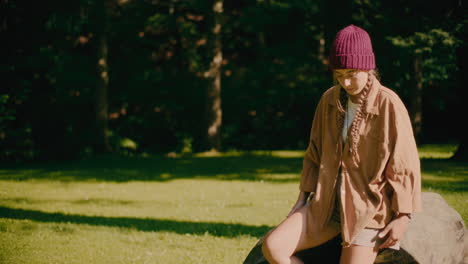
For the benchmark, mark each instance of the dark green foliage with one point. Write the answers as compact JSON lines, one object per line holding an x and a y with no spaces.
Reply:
{"x":273,"y":71}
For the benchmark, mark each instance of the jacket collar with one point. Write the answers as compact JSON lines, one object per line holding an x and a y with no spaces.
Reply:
{"x":372,"y":104}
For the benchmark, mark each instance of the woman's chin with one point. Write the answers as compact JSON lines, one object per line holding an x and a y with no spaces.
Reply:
{"x":351,"y":91}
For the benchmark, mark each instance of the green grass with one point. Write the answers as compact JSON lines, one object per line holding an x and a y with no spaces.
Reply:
{"x":205,"y":208}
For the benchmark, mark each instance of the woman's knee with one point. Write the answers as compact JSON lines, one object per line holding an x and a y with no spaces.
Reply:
{"x":290,"y":236}
{"x":281,"y":242}
{"x":272,"y":248}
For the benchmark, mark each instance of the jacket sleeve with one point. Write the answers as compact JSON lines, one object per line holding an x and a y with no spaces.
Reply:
{"x":311,"y":161}
{"x":403,"y":171}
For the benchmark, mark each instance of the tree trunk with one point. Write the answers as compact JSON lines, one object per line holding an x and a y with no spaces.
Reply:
{"x":213,"y":104}
{"x":101,"y":102}
{"x":416,"y":97}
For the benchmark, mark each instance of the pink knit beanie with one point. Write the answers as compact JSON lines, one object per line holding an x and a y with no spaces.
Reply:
{"x":352,"y":49}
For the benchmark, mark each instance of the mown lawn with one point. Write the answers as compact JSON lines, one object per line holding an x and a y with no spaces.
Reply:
{"x":154,"y":209}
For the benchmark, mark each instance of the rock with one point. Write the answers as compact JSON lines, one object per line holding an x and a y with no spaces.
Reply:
{"x":435,"y":236}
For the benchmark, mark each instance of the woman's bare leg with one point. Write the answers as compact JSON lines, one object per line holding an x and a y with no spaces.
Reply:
{"x":290,"y":237}
{"x":358,"y":255}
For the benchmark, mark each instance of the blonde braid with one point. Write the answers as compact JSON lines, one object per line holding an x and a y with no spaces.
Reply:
{"x":361,"y":104}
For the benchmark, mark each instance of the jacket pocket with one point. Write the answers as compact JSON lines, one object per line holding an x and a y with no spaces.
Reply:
{"x":373,"y":130}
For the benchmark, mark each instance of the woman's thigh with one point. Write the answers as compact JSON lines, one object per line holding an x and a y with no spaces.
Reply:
{"x":290,"y":235}
{"x":355,"y":254}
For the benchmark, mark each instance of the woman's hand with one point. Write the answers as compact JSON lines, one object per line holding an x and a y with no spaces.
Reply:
{"x":395,"y":230}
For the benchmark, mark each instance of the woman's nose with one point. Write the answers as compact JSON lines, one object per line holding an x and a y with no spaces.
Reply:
{"x":347,"y":82}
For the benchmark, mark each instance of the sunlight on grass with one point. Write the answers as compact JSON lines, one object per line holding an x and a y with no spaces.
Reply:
{"x":270,"y":153}
{"x":435,"y":151}
{"x":183,"y":221}
{"x":437,"y":178}
{"x":281,"y":153}
{"x":191,"y":208}
{"x":278,"y":176}
{"x":70,"y":243}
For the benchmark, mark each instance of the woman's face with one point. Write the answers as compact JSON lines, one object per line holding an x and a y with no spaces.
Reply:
{"x":353,"y":81}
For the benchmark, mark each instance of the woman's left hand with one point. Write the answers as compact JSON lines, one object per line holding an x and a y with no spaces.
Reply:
{"x":395,"y":230}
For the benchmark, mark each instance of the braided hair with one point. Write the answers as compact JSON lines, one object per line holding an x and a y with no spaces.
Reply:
{"x":361,"y":105}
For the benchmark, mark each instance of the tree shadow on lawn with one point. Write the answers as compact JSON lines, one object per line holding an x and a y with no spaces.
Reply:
{"x":141,"y":224}
{"x":445,"y":175}
{"x":160,"y":168}
{"x":439,"y":174}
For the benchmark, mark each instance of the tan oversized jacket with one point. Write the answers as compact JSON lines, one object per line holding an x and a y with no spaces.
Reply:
{"x":381,"y":182}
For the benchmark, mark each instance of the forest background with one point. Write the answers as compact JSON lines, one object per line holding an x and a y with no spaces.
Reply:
{"x":85,"y":77}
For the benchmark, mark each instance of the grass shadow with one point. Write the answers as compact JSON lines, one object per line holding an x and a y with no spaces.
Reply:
{"x":444,"y":175}
{"x":160,"y":168}
{"x":141,"y":224}
{"x":438,"y":173}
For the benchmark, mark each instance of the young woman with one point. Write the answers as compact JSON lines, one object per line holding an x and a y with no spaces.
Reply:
{"x":361,"y":172}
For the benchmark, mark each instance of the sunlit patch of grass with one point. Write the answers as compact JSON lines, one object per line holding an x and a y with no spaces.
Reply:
{"x":278,"y":176}
{"x":437,"y":151}
{"x":437,"y":178}
{"x":183,"y":208}
{"x":280,"y":153}
{"x":258,"y":153}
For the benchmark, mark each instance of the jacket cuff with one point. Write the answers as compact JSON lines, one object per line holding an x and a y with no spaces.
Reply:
{"x":402,"y":201}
